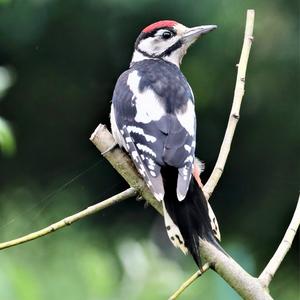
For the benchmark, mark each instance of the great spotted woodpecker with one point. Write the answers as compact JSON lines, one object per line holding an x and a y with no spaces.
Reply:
{"x":153,"y":119}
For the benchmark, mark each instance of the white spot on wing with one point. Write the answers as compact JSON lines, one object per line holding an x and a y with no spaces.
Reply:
{"x":140,"y":131}
{"x":148,"y":106}
{"x":188,"y":148}
{"x":185,"y":171}
{"x":190,"y":159}
{"x":153,"y":173}
{"x":135,"y":155}
{"x":158,"y":196}
{"x":149,"y":183}
{"x":151,"y":162}
{"x":146,"y":149}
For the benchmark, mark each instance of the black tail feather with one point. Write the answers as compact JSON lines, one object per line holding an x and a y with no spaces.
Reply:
{"x":189,"y":215}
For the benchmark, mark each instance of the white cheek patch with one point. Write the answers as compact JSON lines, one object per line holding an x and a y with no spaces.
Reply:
{"x":154,"y":46}
{"x":146,"y":45}
{"x":187,"y":118}
{"x":148,"y":106}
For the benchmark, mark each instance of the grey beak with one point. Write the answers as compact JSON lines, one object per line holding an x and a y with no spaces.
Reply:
{"x":193,"y":33}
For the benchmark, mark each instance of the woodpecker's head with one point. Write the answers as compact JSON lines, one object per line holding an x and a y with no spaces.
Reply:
{"x":167,"y":40}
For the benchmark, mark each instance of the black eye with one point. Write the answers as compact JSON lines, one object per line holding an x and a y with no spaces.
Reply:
{"x":166,"y":35}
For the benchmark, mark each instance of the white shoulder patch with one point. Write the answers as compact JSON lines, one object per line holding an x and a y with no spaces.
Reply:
{"x":148,"y":106}
{"x":187,"y":118}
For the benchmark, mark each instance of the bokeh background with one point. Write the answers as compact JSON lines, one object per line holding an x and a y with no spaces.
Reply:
{"x":59,"y":61}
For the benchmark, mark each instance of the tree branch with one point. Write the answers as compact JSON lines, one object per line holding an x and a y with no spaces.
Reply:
{"x":190,"y":280}
{"x":235,"y":109}
{"x":71,"y":219}
{"x":268,"y":273}
{"x":103,"y":140}
{"x":246,"y":285}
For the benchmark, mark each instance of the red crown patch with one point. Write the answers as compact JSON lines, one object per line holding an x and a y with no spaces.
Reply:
{"x":160,"y":24}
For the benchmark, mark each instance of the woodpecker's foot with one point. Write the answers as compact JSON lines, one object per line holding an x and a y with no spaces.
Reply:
{"x":110,"y":148}
{"x":139,"y":198}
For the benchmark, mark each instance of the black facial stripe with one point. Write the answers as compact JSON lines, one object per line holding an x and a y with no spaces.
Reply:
{"x":171,"y":49}
{"x":168,"y":52}
{"x":145,"y":53}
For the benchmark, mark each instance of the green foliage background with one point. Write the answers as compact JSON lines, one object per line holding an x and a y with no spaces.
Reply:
{"x":63,"y":58}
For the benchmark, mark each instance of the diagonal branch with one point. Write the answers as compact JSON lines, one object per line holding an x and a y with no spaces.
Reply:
{"x":235,"y":109}
{"x":247,"y":286}
{"x":105,"y":142}
{"x":268,"y":273}
{"x":71,"y":219}
{"x":190,"y":280}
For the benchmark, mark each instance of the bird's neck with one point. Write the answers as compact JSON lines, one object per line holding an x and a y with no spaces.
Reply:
{"x":174,"y":58}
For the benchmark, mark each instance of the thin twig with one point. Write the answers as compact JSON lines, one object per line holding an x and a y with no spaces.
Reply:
{"x":235,"y":109}
{"x":268,"y":273}
{"x":71,"y":219}
{"x":188,"y":282}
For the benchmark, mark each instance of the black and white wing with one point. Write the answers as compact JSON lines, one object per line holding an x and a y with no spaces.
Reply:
{"x":153,"y":118}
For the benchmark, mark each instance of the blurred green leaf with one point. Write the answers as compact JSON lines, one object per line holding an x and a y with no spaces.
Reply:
{"x":7,"y":140}
{"x":7,"y":79}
